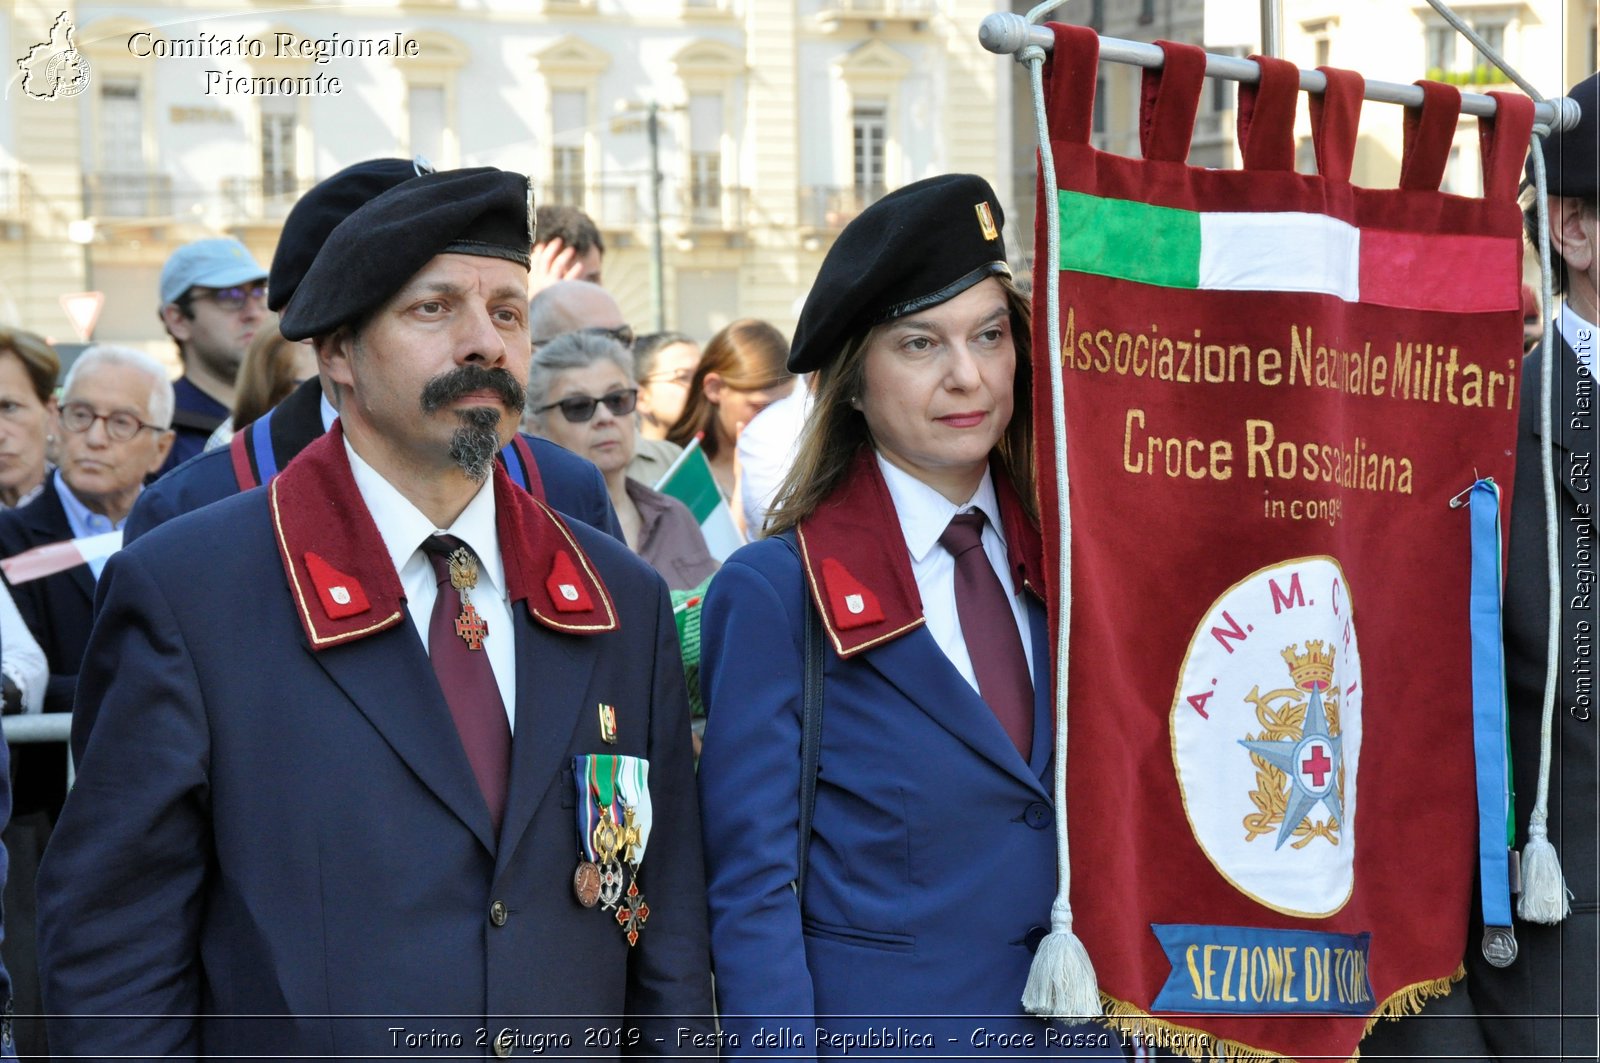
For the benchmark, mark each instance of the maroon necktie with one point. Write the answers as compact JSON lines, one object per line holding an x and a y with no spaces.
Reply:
{"x":469,"y":685}
{"x":990,"y":629}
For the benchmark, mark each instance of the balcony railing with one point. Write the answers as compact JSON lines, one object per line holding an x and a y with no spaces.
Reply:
{"x":832,"y":206}
{"x":624,"y":203}
{"x":128,"y":195}
{"x":247,"y":199}
{"x":12,"y":191}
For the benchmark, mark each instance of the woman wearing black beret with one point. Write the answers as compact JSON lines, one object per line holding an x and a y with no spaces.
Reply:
{"x":907,"y":532}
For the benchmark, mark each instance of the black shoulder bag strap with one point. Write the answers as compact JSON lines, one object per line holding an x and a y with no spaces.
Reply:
{"x":810,"y":740}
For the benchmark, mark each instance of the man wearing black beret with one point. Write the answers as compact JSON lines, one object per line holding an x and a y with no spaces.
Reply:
{"x":388,"y":755}
{"x":571,"y":485}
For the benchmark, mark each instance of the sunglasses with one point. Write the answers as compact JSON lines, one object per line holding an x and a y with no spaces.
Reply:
{"x":236,"y":297}
{"x":579,"y":409}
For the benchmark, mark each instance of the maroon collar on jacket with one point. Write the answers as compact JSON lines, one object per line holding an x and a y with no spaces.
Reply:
{"x":345,"y":586}
{"x":859,"y":570}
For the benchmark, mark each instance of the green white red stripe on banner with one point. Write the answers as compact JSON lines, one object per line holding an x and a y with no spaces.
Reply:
{"x":689,"y":480}
{"x":1287,"y":251}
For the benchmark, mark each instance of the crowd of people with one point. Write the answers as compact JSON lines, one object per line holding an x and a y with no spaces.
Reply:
{"x":375,"y":640}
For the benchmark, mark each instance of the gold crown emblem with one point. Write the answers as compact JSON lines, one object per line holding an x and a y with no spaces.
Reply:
{"x":1312,"y":670}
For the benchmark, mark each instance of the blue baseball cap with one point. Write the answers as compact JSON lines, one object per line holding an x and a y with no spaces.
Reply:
{"x":219,"y":262}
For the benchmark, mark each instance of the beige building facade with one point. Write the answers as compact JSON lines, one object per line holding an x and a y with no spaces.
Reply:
{"x":777,"y":121}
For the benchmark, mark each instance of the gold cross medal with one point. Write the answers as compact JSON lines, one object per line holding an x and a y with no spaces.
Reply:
{"x":470,"y":627}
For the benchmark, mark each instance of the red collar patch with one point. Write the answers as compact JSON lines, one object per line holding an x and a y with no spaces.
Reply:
{"x":331,"y":550}
{"x":341,"y":596}
{"x":875,"y":599}
{"x":565,"y":587}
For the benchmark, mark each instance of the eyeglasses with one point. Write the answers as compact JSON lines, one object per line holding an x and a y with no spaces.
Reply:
{"x":681,"y":377}
{"x":236,"y":297}
{"x":120,"y":426}
{"x":579,"y":409}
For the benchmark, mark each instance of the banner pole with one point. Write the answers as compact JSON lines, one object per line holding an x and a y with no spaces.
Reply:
{"x":1271,"y":29}
{"x":1004,"y":33}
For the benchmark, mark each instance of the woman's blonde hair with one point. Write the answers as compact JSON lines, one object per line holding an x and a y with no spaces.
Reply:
{"x":836,"y":431}
{"x":266,"y":376}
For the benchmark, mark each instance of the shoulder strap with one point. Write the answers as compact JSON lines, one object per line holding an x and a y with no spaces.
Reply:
{"x":810,"y":740}
{"x":244,"y":474}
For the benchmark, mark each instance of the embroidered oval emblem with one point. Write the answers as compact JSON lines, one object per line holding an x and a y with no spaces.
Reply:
{"x":1266,"y":736}
{"x":340,"y":595}
{"x":569,"y":592}
{"x":854,"y":603}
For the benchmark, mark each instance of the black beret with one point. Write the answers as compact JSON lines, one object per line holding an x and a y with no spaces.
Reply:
{"x":918,"y":246}
{"x":1572,"y":157}
{"x":373,"y":253}
{"x":317,"y":212}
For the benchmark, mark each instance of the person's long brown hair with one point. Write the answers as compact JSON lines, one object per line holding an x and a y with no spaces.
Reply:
{"x":266,"y":375}
{"x":749,"y":355}
{"x":835,"y":431}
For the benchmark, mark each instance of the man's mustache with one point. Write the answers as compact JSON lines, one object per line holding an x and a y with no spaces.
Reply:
{"x":465,"y":379}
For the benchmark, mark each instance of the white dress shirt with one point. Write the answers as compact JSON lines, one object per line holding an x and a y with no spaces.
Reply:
{"x":23,"y":661}
{"x":924,"y":515}
{"x":404,"y":529}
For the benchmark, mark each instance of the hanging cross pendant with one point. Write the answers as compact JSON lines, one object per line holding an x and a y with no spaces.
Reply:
{"x":472,"y":628}
{"x":633,"y":913}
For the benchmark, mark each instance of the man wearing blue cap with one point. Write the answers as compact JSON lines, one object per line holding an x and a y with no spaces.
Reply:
{"x":441,"y":796}
{"x":213,"y":299}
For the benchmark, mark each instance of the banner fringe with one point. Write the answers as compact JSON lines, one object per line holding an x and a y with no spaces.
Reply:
{"x":1202,"y":1047}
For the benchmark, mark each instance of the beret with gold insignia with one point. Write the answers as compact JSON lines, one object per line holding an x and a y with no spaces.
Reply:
{"x":371,"y":254}
{"x":918,"y":246}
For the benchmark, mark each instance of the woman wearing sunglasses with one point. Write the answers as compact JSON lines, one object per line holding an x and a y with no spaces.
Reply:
{"x":581,"y":395}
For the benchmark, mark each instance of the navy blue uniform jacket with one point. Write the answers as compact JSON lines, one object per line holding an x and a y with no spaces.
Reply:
{"x":274,"y":815}
{"x":933,"y":858}
{"x":572,"y":485}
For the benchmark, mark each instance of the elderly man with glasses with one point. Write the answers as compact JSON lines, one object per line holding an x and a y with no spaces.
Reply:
{"x":112,"y":430}
{"x":213,"y":300}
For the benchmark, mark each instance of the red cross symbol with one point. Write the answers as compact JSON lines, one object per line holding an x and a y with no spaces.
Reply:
{"x":1317,"y":766}
{"x":633,"y":914}
{"x":471,"y":627}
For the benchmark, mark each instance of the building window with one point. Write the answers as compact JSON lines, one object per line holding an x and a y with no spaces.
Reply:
{"x":1494,"y":35}
{"x":1324,"y":51}
{"x":569,"y":111}
{"x":1099,"y":105}
{"x":705,"y":156}
{"x":426,"y":113}
{"x":1147,"y":12}
{"x":277,"y":146}
{"x":1441,"y":48}
{"x":123,"y":183}
{"x":1097,"y":15}
{"x":869,"y":132}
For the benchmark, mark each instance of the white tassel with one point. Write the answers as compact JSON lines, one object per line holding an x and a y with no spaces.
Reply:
{"x":1544,"y":889}
{"x":1061,"y":982}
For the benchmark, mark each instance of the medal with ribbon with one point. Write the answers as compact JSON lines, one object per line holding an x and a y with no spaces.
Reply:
{"x":633,"y":787}
{"x":613,"y":818}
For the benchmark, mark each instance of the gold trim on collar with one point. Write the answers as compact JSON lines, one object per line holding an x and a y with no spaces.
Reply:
{"x":818,"y":599}
{"x":317,"y":641}
{"x":594,"y":578}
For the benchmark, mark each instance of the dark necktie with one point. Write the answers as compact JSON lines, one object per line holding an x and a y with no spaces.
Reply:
{"x":990,"y":630}
{"x":468,"y":684}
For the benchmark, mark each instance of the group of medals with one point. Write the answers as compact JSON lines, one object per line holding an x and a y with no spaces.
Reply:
{"x":614,"y":818}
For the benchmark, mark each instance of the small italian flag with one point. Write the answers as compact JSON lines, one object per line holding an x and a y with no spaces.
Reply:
{"x":689,"y":480}
{"x":1287,"y":251}
{"x":47,"y":560}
